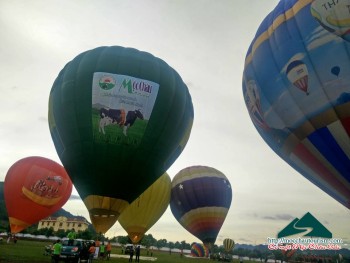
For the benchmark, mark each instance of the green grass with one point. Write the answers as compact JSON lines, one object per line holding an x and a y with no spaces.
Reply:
{"x":28,"y":251}
{"x":114,"y":133}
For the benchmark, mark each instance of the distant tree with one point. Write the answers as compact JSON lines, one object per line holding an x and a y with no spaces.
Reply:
{"x":256,"y":254}
{"x":278,"y":254}
{"x":171,"y":245}
{"x":31,"y":230}
{"x":35,"y":231}
{"x":49,"y":232}
{"x":123,"y":240}
{"x":185,"y":245}
{"x":217,"y":249}
{"x":113,"y":239}
{"x":148,"y":241}
{"x":161,"y":243}
{"x":177,"y":245}
{"x":86,"y":234}
{"x":60,"y":233}
{"x":3,"y":211}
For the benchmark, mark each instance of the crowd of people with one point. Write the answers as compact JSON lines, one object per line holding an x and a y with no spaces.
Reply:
{"x":93,"y":250}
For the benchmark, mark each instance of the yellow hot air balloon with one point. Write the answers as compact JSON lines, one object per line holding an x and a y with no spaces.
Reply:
{"x":145,"y":211}
{"x":229,"y":244}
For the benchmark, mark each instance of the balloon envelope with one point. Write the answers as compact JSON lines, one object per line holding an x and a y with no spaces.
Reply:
{"x":145,"y":211}
{"x":34,"y":188}
{"x":310,"y":132}
{"x":199,"y":250}
{"x":200,"y":199}
{"x":114,"y":114}
{"x":228,"y":244}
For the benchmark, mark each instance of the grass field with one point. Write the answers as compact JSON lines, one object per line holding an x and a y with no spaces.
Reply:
{"x":114,"y":133}
{"x":33,"y":252}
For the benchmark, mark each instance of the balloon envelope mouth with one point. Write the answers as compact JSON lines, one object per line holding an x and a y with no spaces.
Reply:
{"x":17,"y":225}
{"x":103,"y":206}
{"x":96,"y":212}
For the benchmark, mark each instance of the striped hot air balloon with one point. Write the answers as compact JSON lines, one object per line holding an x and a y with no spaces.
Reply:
{"x":229,"y":244}
{"x":199,"y":250}
{"x":311,"y":133}
{"x":200,"y":199}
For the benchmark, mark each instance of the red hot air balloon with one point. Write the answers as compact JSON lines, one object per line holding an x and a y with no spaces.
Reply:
{"x":34,"y":188}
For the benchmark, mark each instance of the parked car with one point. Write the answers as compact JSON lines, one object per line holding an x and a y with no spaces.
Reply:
{"x":78,"y":252}
{"x":225,"y":257}
{"x":128,"y":249}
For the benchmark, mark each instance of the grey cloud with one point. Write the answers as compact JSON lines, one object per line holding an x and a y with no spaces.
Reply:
{"x":279,"y":217}
{"x":74,"y":197}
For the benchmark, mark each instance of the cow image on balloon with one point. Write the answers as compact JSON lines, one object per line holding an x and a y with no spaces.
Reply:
{"x":118,"y":116}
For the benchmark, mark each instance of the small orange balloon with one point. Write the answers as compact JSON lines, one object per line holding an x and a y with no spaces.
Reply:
{"x":34,"y":188}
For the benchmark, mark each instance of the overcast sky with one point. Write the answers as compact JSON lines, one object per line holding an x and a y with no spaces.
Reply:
{"x":206,"y":42}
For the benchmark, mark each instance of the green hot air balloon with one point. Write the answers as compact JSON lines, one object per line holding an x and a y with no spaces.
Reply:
{"x":119,"y":118}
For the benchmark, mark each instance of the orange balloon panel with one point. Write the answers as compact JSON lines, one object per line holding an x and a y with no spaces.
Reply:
{"x":34,"y":188}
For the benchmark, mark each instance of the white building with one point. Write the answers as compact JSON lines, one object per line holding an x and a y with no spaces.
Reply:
{"x":64,"y":223}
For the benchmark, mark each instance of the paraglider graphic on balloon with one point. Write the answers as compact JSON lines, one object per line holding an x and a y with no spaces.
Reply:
{"x":200,"y":199}
{"x":107,"y":121}
{"x":311,"y":133}
{"x":34,"y":184}
{"x":252,"y":99}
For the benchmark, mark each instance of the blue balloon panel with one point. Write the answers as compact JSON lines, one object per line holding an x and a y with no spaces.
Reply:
{"x":296,"y":86}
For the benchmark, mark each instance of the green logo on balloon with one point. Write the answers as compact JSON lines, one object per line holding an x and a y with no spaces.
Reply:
{"x":107,"y":83}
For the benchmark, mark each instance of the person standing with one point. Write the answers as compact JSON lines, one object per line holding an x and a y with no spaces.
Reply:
{"x":91,"y":252}
{"x":137,"y":253}
{"x":131,"y":254}
{"x":102,"y":250}
{"x":108,"y":249}
{"x":71,"y":236}
{"x":57,"y":248}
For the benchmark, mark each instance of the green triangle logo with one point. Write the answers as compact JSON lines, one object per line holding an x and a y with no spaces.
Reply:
{"x":307,"y":226}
